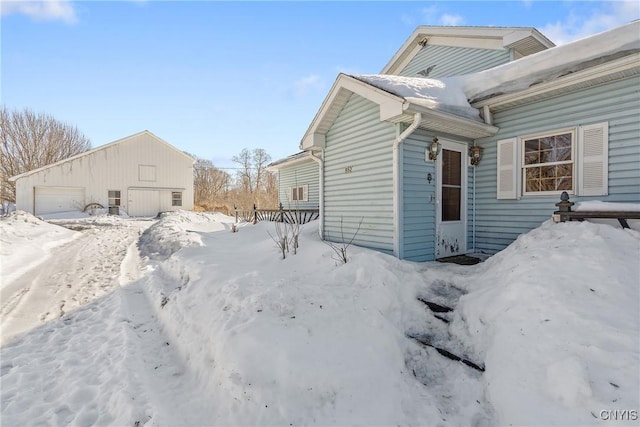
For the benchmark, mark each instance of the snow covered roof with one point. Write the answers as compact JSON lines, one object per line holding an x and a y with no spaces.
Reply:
{"x":451,"y":104}
{"x":102,"y":147}
{"x":443,"y":106}
{"x":523,"y":40}
{"x":442,"y":94}
{"x":554,"y":63}
{"x":294,"y":158}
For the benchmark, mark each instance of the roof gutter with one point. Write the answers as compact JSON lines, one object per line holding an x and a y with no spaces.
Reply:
{"x":397,"y":183}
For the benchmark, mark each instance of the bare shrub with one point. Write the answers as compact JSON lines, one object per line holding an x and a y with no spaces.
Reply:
{"x":340,"y":248}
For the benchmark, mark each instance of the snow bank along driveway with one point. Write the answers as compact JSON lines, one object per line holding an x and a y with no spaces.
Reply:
{"x":202,"y":326}
{"x":68,"y":275}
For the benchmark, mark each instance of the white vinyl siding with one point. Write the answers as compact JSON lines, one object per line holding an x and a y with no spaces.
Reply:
{"x":115,"y":167}
{"x":147,"y":173}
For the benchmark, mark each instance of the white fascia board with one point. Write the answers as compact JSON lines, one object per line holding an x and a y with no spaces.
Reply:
{"x":457,"y":36}
{"x":305,"y":158}
{"x":369,"y":92}
{"x":623,"y":64}
{"x":519,"y":34}
{"x":313,"y":141}
{"x":390,"y":106}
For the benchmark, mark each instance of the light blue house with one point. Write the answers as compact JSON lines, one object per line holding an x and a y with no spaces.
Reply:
{"x":298,"y":180}
{"x":394,"y":148}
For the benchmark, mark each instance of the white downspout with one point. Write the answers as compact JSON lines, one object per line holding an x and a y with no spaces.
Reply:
{"x":488,"y":119}
{"x":397,"y":183}
{"x":474,"y":211}
{"x":320,"y":161}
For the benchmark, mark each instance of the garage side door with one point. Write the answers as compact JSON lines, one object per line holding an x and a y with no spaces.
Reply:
{"x":144,"y":202}
{"x":58,"y":199}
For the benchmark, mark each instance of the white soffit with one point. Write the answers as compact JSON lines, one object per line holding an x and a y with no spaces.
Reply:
{"x":524,"y":40}
{"x":343,"y":88}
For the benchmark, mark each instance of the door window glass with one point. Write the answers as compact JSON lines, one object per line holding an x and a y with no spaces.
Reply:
{"x":451,"y":185}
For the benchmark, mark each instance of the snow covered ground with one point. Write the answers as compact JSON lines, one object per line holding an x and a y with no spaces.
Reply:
{"x":182,"y":322}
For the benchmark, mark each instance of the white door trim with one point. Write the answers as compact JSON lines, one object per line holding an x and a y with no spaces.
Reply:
{"x":444,"y":246}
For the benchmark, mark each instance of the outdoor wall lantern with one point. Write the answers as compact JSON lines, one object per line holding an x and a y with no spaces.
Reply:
{"x":434,"y":149}
{"x":475,"y":153}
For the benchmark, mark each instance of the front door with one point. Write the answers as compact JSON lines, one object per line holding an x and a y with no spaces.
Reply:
{"x":451,"y":214}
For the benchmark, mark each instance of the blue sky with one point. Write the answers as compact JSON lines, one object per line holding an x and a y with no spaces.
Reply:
{"x":215,"y":77}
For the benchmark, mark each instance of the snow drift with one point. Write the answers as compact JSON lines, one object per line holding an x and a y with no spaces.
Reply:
{"x":220,"y":331}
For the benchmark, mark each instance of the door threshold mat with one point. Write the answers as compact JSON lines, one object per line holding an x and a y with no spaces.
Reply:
{"x":460,"y":260}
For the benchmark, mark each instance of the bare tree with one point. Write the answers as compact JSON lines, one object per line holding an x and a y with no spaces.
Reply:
{"x":210,"y":185}
{"x":256,"y":185}
{"x":29,"y":141}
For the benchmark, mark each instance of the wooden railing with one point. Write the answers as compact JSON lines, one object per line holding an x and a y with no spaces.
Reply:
{"x":564,"y":213}
{"x":290,"y":216}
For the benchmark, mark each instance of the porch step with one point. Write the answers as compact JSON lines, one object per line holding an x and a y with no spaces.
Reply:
{"x":425,"y":342}
{"x":436,"y":308}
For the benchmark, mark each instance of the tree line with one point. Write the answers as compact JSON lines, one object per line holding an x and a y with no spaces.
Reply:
{"x":218,"y":190}
{"x":30,"y":140}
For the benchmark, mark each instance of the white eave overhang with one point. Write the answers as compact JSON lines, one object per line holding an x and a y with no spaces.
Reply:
{"x":447,"y":123}
{"x":524,"y":41}
{"x":615,"y":70}
{"x":393,"y":109}
{"x":391,"y":106}
{"x":291,"y":160}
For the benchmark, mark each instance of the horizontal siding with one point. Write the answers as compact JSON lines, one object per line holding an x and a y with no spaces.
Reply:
{"x":419,"y":216}
{"x":358,"y":140}
{"x":499,"y":222}
{"x":297,"y":175}
{"x":454,"y":61}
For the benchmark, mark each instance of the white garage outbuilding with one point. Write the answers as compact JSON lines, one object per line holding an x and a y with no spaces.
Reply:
{"x":140,"y":175}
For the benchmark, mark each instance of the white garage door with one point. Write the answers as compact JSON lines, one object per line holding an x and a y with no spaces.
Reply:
{"x":144,"y":202}
{"x":58,"y":199}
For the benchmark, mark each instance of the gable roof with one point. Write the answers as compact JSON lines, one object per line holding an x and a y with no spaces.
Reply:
{"x":524,"y":40}
{"x":290,"y":160}
{"x":100,"y":148}
{"x":399,"y":99}
{"x":593,"y":60}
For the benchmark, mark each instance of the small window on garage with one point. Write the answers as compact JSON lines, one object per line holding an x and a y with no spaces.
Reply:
{"x":147,"y":173}
{"x":176,"y":198}
{"x":114,"y":197}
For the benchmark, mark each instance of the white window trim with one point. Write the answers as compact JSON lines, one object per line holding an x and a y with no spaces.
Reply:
{"x":119,"y":198}
{"x":305,"y":193}
{"x":173,"y":200}
{"x":521,"y":166}
{"x":144,"y":169}
{"x":590,"y":154}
